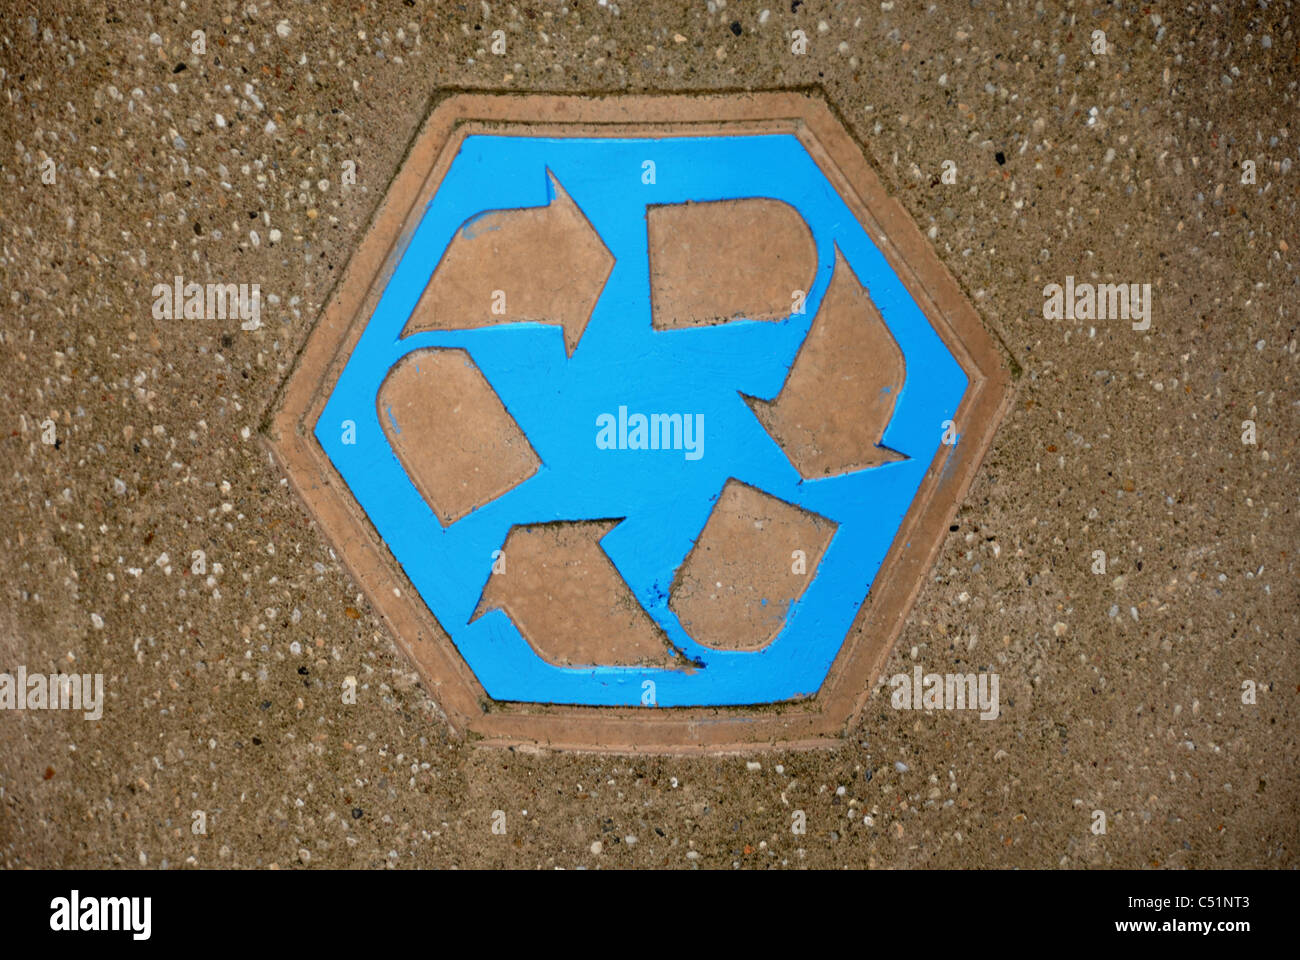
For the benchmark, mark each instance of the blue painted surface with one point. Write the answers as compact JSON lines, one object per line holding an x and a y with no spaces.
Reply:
{"x":622,"y":361}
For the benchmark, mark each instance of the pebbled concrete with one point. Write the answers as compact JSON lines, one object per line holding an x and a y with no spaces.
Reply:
{"x":1121,"y":692}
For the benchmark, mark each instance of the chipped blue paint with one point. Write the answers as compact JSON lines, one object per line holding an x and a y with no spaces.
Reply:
{"x":622,"y":360}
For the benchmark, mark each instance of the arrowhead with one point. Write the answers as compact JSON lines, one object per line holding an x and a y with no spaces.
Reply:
{"x":530,"y":265}
{"x":839,"y":396}
{"x":568,"y":600}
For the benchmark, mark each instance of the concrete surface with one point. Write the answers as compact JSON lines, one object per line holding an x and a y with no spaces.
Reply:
{"x":1120,"y":692}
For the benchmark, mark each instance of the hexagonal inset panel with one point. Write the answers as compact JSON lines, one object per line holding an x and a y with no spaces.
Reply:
{"x":684,"y":465}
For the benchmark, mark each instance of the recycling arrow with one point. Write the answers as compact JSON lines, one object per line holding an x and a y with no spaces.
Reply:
{"x":531,"y":265}
{"x":569,"y":601}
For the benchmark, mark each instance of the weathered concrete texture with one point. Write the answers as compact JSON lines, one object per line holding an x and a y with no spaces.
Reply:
{"x":1120,"y":691}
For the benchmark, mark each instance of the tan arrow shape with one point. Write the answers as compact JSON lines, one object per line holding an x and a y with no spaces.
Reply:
{"x":839,"y":396}
{"x":455,"y":439}
{"x":735,"y":588}
{"x":721,"y":260}
{"x":568,"y":599}
{"x":537,"y":264}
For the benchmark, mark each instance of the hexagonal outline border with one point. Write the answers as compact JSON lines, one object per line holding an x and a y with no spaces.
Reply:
{"x":819,"y":721}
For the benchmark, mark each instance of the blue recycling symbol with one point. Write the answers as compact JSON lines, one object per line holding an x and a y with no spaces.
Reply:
{"x":656,"y":505}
